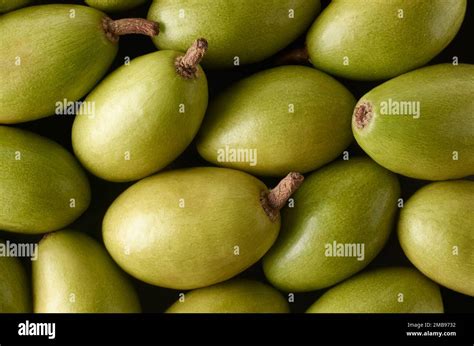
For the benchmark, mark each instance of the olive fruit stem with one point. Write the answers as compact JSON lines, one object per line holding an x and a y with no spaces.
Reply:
{"x":116,"y":28}
{"x":274,"y":200}
{"x":186,"y":65}
{"x":297,"y":56}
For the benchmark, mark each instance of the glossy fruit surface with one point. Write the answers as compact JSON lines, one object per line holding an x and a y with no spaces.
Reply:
{"x":381,"y":39}
{"x":234,"y":296}
{"x":265,"y":127}
{"x":385,"y":290}
{"x":238,"y":31}
{"x":146,"y":114}
{"x":74,"y":274}
{"x":10,"y":5}
{"x":436,"y":233}
{"x":14,"y":286}
{"x":190,"y":228}
{"x":341,"y":219}
{"x":42,"y":186}
{"x":115,"y":5}
{"x":63,"y":58}
{"x":420,"y":124}
{"x":52,"y":55}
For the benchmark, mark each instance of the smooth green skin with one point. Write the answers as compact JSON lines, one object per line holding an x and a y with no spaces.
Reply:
{"x":423,"y":148}
{"x":378,"y":291}
{"x":10,"y":5}
{"x":351,"y":201}
{"x":255,"y":114}
{"x":74,"y":274}
{"x":63,"y":58}
{"x":251,"y":30}
{"x":379,"y":44}
{"x":435,"y":219}
{"x":137,"y":110}
{"x":115,"y":5}
{"x":36,"y":191}
{"x":234,"y":296}
{"x":156,"y":238}
{"x":14,"y":286}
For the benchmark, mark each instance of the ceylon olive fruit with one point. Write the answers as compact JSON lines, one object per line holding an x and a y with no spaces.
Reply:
{"x":115,"y":5}
{"x":263,"y":126}
{"x":194,"y":227}
{"x":436,"y":233}
{"x":385,"y":290}
{"x":234,"y":296}
{"x":420,"y":124}
{"x":239,"y":31}
{"x":52,"y":55}
{"x":42,"y":186}
{"x":74,"y":274}
{"x":341,"y":219}
{"x":10,"y":5}
{"x":146,"y":114}
{"x":381,"y":39}
{"x":14,"y":286}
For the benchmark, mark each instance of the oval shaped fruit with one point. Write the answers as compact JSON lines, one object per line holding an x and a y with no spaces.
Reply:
{"x":194,"y":227}
{"x":74,"y":274}
{"x":10,"y":5}
{"x":146,"y":114}
{"x":262,"y":126}
{"x":436,"y":233}
{"x":382,"y":39}
{"x":341,"y":219}
{"x":14,"y":286}
{"x":420,"y":124}
{"x":115,"y":5}
{"x":385,"y":290}
{"x":234,"y":296}
{"x":239,"y":32}
{"x":69,"y":49}
{"x":42,"y":186}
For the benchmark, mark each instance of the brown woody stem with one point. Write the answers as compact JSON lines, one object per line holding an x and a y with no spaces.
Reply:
{"x":274,"y":200}
{"x":187,"y":65}
{"x":116,"y":28}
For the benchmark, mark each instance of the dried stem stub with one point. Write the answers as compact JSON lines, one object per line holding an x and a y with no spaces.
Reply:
{"x":187,"y":65}
{"x":116,"y":28}
{"x":275,"y":199}
{"x":363,"y":114}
